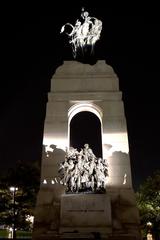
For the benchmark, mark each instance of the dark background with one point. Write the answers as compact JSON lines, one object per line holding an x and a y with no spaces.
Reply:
{"x":32,"y":49}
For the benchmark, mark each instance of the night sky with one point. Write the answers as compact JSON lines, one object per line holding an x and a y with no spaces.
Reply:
{"x":31,"y":50}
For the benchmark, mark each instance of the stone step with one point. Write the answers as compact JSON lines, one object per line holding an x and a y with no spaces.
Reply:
{"x":50,"y":235}
{"x":76,"y":236}
{"x":122,"y":238}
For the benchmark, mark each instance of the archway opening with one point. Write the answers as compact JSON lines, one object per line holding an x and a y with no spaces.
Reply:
{"x":85,"y":127}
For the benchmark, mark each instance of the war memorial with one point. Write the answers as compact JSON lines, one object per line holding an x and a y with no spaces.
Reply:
{"x":84,"y":196}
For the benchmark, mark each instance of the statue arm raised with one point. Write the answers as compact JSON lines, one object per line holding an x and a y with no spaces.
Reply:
{"x":63,"y":28}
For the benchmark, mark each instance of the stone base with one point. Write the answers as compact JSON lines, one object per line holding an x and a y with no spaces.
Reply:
{"x":109,"y":216}
{"x":85,"y":210}
{"x":85,"y":215}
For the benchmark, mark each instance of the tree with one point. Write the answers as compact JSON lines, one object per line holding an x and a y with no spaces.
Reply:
{"x":148,"y":201}
{"x":26,"y":178}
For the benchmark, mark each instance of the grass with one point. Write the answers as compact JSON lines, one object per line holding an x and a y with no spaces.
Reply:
{"x":3,"y":233}
{"x":19,"y":234}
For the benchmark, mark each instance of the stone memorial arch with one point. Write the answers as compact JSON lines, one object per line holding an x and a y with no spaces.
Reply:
{"x":85,"y":125}
{"x":84,"y":212}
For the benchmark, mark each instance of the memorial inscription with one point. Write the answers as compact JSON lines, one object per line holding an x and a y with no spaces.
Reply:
{"x":85,"y":210}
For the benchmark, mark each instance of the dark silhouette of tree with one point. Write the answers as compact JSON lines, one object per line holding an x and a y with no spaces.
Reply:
{"x":26,"y":178}
{"x":148,"y":201}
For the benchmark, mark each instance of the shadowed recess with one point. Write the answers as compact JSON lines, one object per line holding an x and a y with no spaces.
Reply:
{"x":85,"y":127}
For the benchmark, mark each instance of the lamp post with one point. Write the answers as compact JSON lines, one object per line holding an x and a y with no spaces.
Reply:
{"x":13,"y":190}
{"x":149,"y":234}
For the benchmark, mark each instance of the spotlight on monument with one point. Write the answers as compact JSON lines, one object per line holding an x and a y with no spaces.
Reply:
{"x":118,"y":141}
{"x":44,"y":181}
{"x":60,"y":143}
{"x":82,"y":107}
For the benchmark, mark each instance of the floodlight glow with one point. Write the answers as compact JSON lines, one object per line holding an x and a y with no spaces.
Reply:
{"x":125,"y":179}
{"x":117,"y":141}
{"x":85,"y":32}
{"x":44,"y":181}
{"x":86,"y":106}
{"x":52,"y":181}
{"x":48,"y":148}
{"x":60,"y":143}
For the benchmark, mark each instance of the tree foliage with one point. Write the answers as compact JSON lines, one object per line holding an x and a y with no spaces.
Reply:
{"x":148,"y":201}
{"x":26,"y":178}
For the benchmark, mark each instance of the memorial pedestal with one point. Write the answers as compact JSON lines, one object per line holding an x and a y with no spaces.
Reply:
{"x":75,"y":88}
{"x":85,"y":214}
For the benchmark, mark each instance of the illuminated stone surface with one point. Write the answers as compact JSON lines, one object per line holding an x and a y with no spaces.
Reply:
{"x":85,"y":213}
{"x":77,"y":87}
